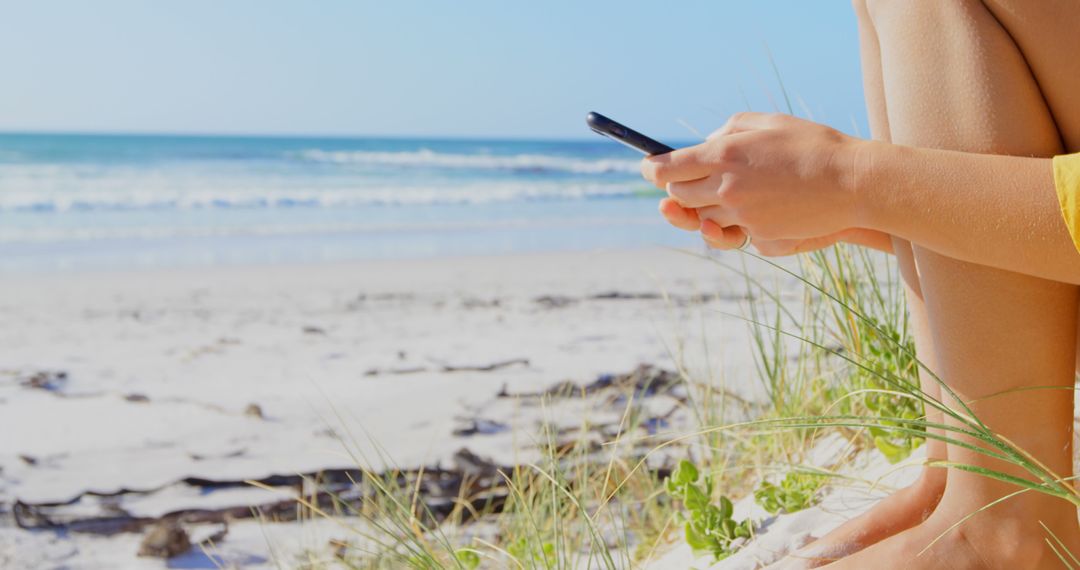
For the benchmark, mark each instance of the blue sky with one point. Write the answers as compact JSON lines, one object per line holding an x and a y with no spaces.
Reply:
{"x":402,"y":68}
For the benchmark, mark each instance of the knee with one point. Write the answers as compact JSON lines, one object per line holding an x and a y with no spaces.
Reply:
{"x":926,"y":12}
{"x":862,"y":12}
{"x":873,"y":9}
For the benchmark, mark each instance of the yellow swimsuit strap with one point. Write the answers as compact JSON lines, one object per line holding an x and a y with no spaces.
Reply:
{"x":1067,"y":182}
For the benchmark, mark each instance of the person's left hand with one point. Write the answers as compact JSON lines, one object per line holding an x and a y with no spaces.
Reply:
{"x":717,"y":237}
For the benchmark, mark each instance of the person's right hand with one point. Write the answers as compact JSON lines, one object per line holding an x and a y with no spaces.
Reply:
{"x":790,"y":183}
{"x":772,"y":175}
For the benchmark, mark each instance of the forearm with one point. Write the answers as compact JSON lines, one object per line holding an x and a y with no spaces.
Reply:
{"x":999,"y":211}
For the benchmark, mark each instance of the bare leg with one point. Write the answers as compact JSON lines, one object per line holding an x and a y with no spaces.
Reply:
{"x":955,"y":79}
{"x":913,"y":504}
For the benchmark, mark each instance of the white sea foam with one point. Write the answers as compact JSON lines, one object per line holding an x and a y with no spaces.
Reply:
{"x":321,"y":178}
{"x":425,"y":158}
{"x":67,"y":191}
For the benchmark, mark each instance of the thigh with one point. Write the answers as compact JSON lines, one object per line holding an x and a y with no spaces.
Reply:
{"x":1047,"y":32}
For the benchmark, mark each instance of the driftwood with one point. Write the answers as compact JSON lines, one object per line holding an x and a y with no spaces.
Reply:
{"x":381,"y":371}
{"x":474,"y":481}
{"x":486,"y":367}
{"x":559,"y":301}
{"x":471,"y":485}
{"x":645,"y":380}
{"x":620,"y":295}
{"x":442,"y":367}
{"x":165,"y":540}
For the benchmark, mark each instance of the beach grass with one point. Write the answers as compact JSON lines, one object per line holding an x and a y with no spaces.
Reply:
{"x":834,"y":359}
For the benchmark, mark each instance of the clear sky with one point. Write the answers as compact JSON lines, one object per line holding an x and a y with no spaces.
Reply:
{"x":494,"y":68}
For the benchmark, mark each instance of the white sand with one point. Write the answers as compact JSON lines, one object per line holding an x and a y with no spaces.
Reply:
{"x":200,"y":345}
{"x":203,"y":344}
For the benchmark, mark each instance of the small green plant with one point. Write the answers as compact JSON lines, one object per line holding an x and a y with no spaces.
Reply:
{"x":709,"y":528}
{"x":468,"y":558}
{"x":525,"y":553}
{"x":798,"y":490}
{"x":891,"y":355}
{"x":869,"y":321}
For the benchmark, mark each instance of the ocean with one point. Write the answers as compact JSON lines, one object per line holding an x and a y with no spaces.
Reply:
{"x":71,"y":202}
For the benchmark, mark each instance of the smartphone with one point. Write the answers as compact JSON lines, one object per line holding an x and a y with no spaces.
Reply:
{"x":625,"y":135}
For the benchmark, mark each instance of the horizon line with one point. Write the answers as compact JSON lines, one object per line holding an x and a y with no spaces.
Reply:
{"x":585,"y":137}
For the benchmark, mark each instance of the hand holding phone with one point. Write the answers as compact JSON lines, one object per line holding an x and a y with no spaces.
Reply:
{"x":676,"y":214}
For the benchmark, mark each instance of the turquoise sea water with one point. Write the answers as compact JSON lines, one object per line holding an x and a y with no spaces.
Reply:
{"x":119,"y":201}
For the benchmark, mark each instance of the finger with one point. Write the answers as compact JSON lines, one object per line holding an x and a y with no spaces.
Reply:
{"x":778,"y":247}
{"x":676,"y":215}
{"x":719,"y":237}
{"x":696,"y":193}
{"x":688,"y":163}
{"x":717,"y":214}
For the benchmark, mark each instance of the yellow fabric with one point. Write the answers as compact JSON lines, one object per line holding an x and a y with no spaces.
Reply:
{"x":1067,"y":182}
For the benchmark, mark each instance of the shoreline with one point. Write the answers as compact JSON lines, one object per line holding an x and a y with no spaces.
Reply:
{"x":346,"y":264}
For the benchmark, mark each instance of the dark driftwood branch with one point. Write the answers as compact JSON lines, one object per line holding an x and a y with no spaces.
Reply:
{"x":443,"y":367}
{"x":475,"y":479}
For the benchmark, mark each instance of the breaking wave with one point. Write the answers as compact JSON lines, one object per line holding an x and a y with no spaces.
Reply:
{"x":145,"y":198}
{"x":424,"y":158}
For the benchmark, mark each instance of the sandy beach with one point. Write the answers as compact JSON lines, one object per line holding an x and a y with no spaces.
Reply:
{"x":127,"y":384}
{"x":361,"y":287}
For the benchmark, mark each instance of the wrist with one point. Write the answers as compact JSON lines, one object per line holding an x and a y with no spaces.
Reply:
{"x":863,"y":182}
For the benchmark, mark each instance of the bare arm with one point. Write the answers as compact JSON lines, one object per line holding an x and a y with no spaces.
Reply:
{"x":1000,"y":211}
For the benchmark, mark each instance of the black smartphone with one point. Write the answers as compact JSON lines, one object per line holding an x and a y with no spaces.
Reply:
{"x":625,"y":135}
